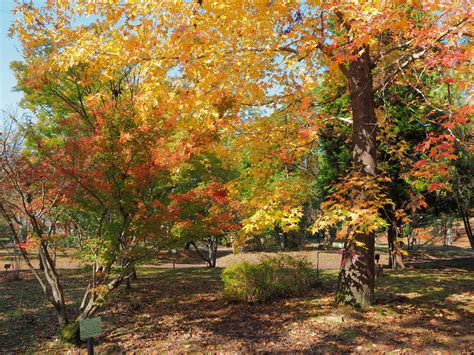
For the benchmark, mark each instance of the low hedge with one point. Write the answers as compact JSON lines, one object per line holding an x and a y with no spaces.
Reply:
{"x":274,"y":276}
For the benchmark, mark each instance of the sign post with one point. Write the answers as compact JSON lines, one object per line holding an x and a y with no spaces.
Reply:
{"x":317,"y":267}
{"x":174,"y":253}
{"x":90,"y":328}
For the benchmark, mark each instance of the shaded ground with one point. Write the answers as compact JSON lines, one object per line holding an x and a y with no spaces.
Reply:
{"x":183,"y":310}
{"x":26,"y":319}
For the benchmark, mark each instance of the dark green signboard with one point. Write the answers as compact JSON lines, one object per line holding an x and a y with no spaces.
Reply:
{"x":90,"y":328}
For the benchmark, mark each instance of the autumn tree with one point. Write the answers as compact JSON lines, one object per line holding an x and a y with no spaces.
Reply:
{"x":200,"y":204}
{"x":115,"y":179}
{"x":273,"y":158}
{"x":400,"y":130}
{"x":123,"y":164}
{"x":226,"y":56}
{"x":29,"y":192}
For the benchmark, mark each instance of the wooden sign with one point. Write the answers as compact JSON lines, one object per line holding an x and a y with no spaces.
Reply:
{"x":90,"y":328}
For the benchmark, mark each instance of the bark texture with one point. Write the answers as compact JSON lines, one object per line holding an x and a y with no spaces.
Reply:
{"x":356,"y":277}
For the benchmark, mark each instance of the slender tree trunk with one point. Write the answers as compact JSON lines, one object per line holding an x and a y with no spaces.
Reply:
{"x":330,"y":236}
{"x":56,"y":293}
{"x":201,"y":255}
{"x":89,"y":306}
{"x":282,"y":240}
{"x":467,"y":226}
{"x":41,"y":265}
{"x":212,"y":247}
{"x":132,"y":275}
{"x":395,"y":249}
{"x":356,"y":277}
{"x":448,"y":233}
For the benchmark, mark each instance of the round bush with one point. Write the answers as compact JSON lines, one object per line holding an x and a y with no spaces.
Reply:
{"x":274,"y":276}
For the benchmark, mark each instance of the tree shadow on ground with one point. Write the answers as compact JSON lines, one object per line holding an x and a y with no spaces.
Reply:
{"x":460,"y":263}
{"x":188,"y":309}
{"x":417,"y":310}
{"x":26,"y":317}
{"x":184,"y":311}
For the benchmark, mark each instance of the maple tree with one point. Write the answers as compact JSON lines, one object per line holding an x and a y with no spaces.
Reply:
{"x":126,"y":171}
{"x":29,"y":192}
{"x":200,"y":205}
{"x":118,"y":175}
{"x":273,"y":158}
{"x":225,"y":57}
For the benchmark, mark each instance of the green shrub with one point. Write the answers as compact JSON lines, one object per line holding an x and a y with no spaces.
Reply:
{"x":272,"y":277}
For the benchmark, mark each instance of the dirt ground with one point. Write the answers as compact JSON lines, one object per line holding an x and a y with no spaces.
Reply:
{"x":428,"y":307}
{"x":328,"y":259}
{"x":189,"y":259}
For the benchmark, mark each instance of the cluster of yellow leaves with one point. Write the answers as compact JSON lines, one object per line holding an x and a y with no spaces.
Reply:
{"x":355,"y":206}
{"x":269,"y":217}
{"x":244,"y":47}
{"x":273,"y":186}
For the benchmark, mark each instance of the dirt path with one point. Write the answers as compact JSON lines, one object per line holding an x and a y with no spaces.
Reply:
{"x":328,"y":260}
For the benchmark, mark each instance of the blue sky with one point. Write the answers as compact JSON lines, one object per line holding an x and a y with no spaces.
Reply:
{"x":9,"y":50}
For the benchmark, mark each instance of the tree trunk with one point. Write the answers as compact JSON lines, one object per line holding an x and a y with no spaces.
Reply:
{"x":282,"y":240}
{"x":201,"y":255}
{"x":41,"y":265}
{"x":301,"y":238}
{"x":395,"y":249}
{"x":467,"y":226}
{"x":448,"y":233}
{"x":212,"y":244}
{"x":55,"y":291}
{"x":50,"y":285}
{"x":131,"y":274}
{"x":330,"y":236}
{"x":356,"y":277}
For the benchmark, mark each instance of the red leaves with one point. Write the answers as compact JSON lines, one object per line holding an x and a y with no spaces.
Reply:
{"x":207,"y":206}
{"x":218,"y":193}
{"x":442,"y":148}
{"x":437,"y":186}
{"x":452,"y":58}
{"x":420,"y":163}
{"x":304,"y":133}
{"x":28,"y":244}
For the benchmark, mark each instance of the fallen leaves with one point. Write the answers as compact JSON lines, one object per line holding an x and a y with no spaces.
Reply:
{"x":183,"y":311}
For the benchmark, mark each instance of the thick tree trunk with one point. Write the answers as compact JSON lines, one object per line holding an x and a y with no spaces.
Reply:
{"x":356,"y":277}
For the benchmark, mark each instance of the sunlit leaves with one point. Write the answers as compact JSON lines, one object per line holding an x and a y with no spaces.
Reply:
{"x":354,"y":206}
{"x":237,"y":78}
